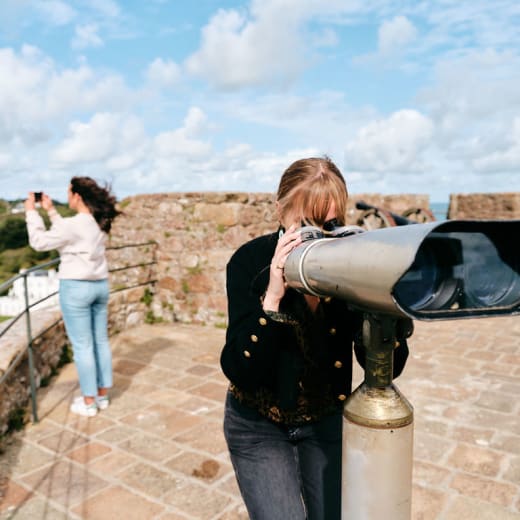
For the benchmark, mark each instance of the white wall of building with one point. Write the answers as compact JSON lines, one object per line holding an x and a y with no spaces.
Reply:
{"x":39,"y":285}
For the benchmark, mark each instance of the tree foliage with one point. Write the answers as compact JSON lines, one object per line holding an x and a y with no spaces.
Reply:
{"x":13,"y":233}
{"x":15,"y":252}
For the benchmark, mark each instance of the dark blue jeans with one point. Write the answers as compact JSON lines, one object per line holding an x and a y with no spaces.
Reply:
{"x":285,"y":473}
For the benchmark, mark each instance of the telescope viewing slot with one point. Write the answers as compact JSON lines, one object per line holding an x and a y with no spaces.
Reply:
{"x":460,"y":274}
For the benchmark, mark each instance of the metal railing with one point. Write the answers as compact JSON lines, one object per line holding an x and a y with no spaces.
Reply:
{"x":29,"y":348}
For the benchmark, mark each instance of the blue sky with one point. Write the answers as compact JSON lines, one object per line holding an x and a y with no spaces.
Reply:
{"x":406,"y":96}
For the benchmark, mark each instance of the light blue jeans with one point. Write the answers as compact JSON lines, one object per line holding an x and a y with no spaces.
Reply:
{"x":84,"y":308}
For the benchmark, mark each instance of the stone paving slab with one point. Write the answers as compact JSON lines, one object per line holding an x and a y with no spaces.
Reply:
{"x":158,"y":451}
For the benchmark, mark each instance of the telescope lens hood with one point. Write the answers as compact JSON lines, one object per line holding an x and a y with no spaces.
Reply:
{"x":452,"y":269}
{"x":463,"y":269}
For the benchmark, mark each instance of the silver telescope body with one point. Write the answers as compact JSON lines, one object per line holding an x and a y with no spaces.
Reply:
{"x":446,"y":270}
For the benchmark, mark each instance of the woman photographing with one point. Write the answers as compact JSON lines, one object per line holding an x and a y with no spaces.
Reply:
{"x":83,"y":274}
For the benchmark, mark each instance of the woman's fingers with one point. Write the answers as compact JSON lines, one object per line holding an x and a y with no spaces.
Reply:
{"x":286,"y":244}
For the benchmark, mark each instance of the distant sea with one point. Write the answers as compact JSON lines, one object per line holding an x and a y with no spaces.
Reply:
{"x":439,"y":210}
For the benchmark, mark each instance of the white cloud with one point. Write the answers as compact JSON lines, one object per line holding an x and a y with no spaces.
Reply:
{"x":106,"y":8}
{"x":237,"y":52}
{"x":86,"y":36}
{"x":395,"y":144}
{"x":5,"y":159}
{"x":237,"y":168}
{"x":40,"y":96}
{"x":472,"y":102}
{"x":395,"y":34}
{"x":163,"y":73}
{"x":505,"y":159}
{"x":470,"y":24}
{"x":472,"y":88}
{"x":56,"y":12}
{"x":184,"y":142}
{"x":325,"y":118}
{"x":326,"y":38}
{"x":269,"y":44}
{"x":114,"y":138}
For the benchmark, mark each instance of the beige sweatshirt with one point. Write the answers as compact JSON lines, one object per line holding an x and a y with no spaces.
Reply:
{"x":78,"y":239}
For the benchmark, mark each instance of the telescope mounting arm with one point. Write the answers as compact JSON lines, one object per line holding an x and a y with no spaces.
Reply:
{"x":381,"y":335}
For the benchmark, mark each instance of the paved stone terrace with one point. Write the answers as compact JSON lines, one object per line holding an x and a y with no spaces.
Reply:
{"x":158,"y":452}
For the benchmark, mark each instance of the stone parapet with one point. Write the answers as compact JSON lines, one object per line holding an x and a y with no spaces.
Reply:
{"x":484,"y":206}
{"x":196,"y":235}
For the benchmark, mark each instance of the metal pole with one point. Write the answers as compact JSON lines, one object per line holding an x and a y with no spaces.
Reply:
{"x":30,"y":351}
{"x":377,"y":435}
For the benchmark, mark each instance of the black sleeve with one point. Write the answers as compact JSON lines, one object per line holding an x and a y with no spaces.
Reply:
{"x":250,"y":354}
{"x":400,"y":356}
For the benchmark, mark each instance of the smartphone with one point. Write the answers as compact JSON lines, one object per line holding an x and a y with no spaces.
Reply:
{"x":37,"y":196}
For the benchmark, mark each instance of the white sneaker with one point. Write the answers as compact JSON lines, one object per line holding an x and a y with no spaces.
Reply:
{"x":80,"y":408}
{"x":102,"y":401}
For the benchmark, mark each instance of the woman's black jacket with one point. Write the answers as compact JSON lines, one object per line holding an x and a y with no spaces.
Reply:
{"x":261,"y":352}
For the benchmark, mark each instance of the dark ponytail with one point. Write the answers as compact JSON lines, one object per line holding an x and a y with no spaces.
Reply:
{"x":100,"y":201}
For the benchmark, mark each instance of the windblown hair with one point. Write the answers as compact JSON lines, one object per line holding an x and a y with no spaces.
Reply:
{"x":99,"y":200}
{"x":307,"y":189}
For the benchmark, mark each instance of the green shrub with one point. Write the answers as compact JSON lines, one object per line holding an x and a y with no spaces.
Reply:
{"x":66,"y":356}
{"x":147,"y":297}
{"x":17,"y":420}
{"x":195,"y":270}
{"x":151,"y":318}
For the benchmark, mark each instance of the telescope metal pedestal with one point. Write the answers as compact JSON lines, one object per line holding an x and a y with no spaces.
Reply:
{"x":378,"y":433}
{"x":377,"y":455}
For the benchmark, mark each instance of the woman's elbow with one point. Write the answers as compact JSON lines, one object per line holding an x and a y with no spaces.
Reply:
{"x":37,"y":245}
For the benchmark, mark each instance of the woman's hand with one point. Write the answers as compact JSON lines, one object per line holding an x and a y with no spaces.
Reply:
{"x":29,"y":203}
{"x":277,"y":286}
{"x":47,"y":203}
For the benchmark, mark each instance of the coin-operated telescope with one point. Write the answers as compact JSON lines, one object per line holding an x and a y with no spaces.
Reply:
{"x":434,"y":271}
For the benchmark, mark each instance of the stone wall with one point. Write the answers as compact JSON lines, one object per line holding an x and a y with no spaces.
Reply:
{"x":15,"y":390}
{"x":484,"y":206}
{"x":196,"y":235}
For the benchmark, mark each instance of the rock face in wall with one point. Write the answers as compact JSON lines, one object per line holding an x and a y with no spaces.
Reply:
{"x":196,"y":234}
{"x":47,"y":351}
{"x":485,"y":206}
